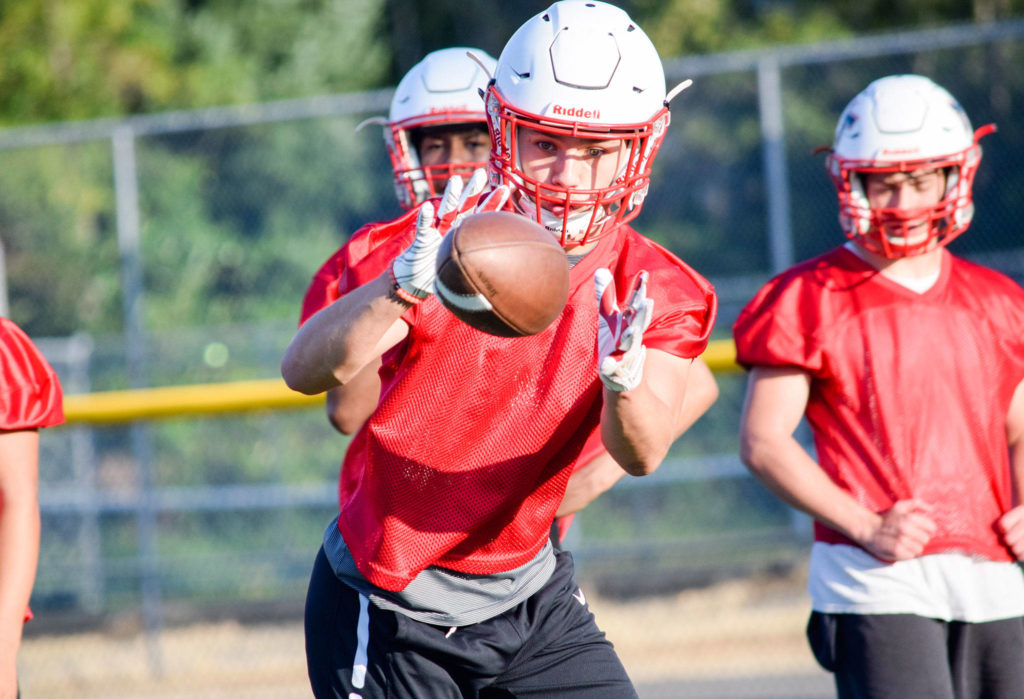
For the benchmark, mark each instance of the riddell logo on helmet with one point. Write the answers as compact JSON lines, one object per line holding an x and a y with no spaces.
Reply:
{"x":578,"y":112}
{"x":899,"y":151}
{"x":450,"y":108}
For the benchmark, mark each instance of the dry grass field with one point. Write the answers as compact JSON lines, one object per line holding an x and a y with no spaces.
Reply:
{"x":732,"y":629}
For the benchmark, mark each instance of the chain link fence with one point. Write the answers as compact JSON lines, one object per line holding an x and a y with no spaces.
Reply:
{"x":175,"y":249}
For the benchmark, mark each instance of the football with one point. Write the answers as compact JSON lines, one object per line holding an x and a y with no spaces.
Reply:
{"x":502,"y":274}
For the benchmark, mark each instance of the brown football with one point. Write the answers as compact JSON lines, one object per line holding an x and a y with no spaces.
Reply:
{"x":503,"y":274}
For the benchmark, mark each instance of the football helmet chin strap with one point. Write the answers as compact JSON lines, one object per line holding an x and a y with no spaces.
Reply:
{"x":572,"y":230}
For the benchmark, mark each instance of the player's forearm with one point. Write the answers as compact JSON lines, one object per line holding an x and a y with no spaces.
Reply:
{"x":788,"y":470}
{"x":1015,"y":441}
{"x":603,"y":471}
{"x":19,"y":523}
{"x":19,"y":554}
{"x":637,"y":428}
{"x":589,"y":481}
{"x":1017,"y":471}
{"x":338,"y":341}
{"x":701,"y":394}
{"x":349,"y":406}
{"x":10,"y":641}
{"x":1011,"y":524}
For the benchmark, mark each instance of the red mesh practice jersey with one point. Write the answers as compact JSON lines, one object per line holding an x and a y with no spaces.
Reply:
{"x":343,"y":268}
{"x":593,"y":448}
{"x":467,"y":456}
{"x":909,"y":393}
{"x":351,"y":266}
{"x":348,"y":268}
{"x":30,"y":395}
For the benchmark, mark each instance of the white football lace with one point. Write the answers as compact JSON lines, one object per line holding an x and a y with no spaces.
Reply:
{"x":465,"y":302}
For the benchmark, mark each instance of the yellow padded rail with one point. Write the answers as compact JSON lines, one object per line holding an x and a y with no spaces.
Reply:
{"x":720,"y":356}
{"x":178,"y":401}
{"x":111,"y":407}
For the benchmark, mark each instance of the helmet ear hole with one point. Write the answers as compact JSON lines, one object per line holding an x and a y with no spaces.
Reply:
{"x":861,"y":219}
{"x":415,"y":138}
{"x":952,"y":175}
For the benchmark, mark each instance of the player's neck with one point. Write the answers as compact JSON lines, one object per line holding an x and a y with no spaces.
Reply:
{"x":580,"y":250}
{"x":909,"y":269}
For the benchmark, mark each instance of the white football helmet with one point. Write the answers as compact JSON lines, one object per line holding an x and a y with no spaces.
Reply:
{"x":579,"y":69}
{"x":443,"y":89}
{"x":903,"y":123}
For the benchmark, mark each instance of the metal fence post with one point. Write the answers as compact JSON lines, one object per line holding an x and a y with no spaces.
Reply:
{"x":776,"y":177}
{"x":126,"y":186}
{"x":5,"y":309}
{"x":92,"y":583}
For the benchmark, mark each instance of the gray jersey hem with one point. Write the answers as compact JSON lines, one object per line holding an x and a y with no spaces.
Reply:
{"x":445,"y":597}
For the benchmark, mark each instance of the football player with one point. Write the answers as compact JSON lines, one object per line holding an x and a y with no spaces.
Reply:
{"x":436,"y":128}
{"x":32,"y":399}
{"x":908,"y":363}
{"x":438,"y":577}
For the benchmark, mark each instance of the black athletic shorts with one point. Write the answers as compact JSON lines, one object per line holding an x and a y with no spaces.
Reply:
{"x":903,"y":656}
{"x":547,"y":646}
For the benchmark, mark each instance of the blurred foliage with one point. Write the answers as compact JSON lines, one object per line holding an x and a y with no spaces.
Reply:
{"x":207,"y":228}
{"x":60,"y":199}
{"x":680,"y":27}
{"x":236,"y":218}
{"x":96,"y":58}
{"x":93,"y":58}
{"x":695,"y":508}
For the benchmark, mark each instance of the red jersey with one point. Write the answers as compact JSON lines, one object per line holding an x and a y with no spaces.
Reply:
{"x":909,"y":393}
{"x":349,"y":267}
{"x":30,"y":394}
{"x":465,"y":460}
{"x":343,"y":268}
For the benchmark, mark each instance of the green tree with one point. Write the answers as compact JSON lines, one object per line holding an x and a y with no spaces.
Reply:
{"x":98,"y":58}
{"x":220,"y":213}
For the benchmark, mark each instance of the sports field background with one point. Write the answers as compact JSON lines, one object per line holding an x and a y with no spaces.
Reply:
{"x":748,"y":631}
{"x":176,"y":552}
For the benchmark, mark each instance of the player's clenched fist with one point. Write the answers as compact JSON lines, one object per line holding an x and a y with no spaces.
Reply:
{"x":904,"y":531}
{"x":620,"y":349}
{"x":1011,"y":528}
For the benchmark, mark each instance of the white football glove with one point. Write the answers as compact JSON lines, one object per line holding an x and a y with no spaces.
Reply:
{"x":620,"y":349}
{"x":413,"y":271}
